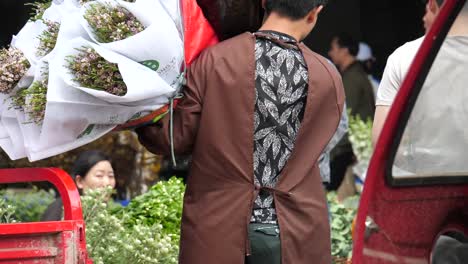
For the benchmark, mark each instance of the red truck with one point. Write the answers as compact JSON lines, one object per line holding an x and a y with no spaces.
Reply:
{"x":61,"y":242}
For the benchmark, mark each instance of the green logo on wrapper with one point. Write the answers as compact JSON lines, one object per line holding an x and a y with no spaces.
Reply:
{"x":87,"y":131}
{"x":152,"y":64}
{"x":136,"y":116}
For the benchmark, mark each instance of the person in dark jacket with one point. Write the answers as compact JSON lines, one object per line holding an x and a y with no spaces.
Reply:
{"x":359,"y":101}
{"x":358,"y":89}
{"x":92,"y":169}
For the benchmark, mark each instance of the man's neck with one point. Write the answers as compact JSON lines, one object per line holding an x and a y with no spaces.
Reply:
{"x":460,"y":25}
{"x":284,"y":25}
{"x":348,"y":61}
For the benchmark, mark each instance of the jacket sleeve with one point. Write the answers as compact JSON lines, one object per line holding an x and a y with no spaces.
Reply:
{"x":353,"y":91}
{"x":156,"y":137}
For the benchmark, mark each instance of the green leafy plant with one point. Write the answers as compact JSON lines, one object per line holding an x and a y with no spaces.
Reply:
{"x":109,"y":240}
{"x":29,"y":205}
{"x":360,"y":135}
{"x":342,"y":216}
{"x":161,"y":205}
{"x":7,"y":212}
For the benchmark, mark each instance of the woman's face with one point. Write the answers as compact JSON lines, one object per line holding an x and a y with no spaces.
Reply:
{"x":99,"y":176}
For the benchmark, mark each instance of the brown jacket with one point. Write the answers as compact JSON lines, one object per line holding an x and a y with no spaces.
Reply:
{"x":215,"y":121}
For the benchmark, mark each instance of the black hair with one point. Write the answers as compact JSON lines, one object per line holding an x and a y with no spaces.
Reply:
{"x":440,"y":2}
{"x":293,"y":9}
{"x":345,"y":40}
{"x":86,"y":160}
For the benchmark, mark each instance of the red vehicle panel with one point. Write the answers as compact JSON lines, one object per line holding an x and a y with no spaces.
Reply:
{"x":45,"y":242}
{"x":399,"y":221}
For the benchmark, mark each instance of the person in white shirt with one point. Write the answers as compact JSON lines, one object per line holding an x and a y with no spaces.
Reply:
{"x":440,"y":104}
{"x":395,"y":71}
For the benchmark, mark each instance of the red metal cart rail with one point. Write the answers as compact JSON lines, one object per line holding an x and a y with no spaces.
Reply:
{"x":45,"y":242}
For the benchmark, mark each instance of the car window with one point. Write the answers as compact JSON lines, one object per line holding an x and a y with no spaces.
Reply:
{"x":435,"y":140}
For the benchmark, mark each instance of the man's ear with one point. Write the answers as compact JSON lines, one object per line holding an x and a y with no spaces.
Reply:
{"x":313,"y":15}
{"x":433,"y":6}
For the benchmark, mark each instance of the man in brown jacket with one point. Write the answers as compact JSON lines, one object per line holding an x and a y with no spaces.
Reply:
{"x":258,"y":111}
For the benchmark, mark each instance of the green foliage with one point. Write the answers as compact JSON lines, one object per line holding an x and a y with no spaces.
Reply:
{"x":110,"y":241}
{"x":342,"y":216}
{"x":148,"y":230}
{"x":7,"y":212}
{"x":360,"y":135}
{"x":28,"y":206}
{"x":161,"y":205}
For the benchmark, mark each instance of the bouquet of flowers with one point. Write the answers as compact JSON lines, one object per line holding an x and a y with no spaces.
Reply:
{"x":80,"y":69}
{"x":48,"y":38}
{"x":13,"y":66}
{"x":112,"y":23}
{"x":92,"y":70}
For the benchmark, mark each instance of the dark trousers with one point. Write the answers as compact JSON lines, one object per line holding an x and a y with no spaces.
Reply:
{"x":265,"y":244}
{"x":338,"y":167}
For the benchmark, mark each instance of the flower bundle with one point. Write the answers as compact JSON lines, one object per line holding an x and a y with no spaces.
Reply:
{"x":38,"y":9}
{"x":48,"y":38}
{"x":93,"y":71}
{"x":18,"y":100}
{"x":112,"y":23}
{"x":13,"y":66}
{"x":35,"y":100}
{"x":32,"y":100}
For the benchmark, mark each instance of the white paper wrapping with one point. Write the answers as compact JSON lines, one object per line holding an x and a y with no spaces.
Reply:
{"x":77,"y":115}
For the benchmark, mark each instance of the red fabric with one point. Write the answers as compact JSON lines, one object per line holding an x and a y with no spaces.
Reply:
{"x":198,"y":32}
